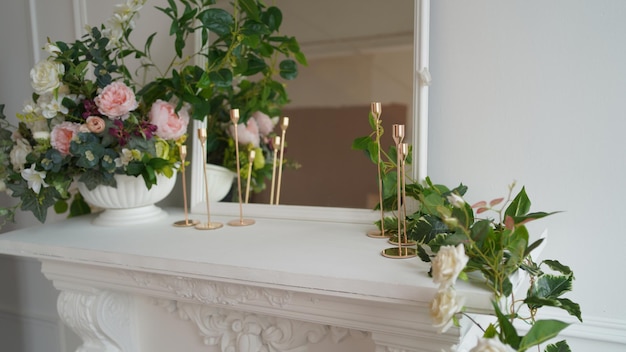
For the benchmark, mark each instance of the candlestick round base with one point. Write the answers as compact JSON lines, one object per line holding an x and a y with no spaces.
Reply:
{"x":186,"y":223}
{"x":399,"y":253}
{"x":408,"y":243}
{"x":209,"y":226}
{"x":377,"y":234}
{"x":241,"y":222}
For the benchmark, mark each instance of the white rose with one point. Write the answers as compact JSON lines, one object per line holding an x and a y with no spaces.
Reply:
{"x":491,"y":345}
{"x":45,"y":76}
{"x":19,"y":152}
{"x":443,"y":307}
{"x":448,"y":264}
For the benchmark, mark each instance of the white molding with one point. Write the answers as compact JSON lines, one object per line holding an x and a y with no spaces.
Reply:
{"x":32,"y":10}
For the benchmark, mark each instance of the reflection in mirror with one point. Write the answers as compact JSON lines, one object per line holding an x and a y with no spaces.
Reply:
{"x":359,"y":51}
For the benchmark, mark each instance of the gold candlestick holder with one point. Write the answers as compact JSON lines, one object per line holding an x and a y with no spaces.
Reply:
{"x":251,"y":157}
{"x":277,"y":144}
{"x":182,"y":150}
{"x":234,"y":118}
{"x":283,"y":126}
{"x":376,"y":112}
{"x":400,"y":251}
{"x":402,"y":240}
{"x":202,"y":136}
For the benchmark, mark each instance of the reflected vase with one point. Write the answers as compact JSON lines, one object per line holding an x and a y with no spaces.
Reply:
{"x":131,"y":202}
{"x":219,"y":181}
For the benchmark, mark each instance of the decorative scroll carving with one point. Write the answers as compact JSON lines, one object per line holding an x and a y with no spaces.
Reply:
{"x":210,"y":292}
{"x":246,"y":332}
{"x":101,"y":319}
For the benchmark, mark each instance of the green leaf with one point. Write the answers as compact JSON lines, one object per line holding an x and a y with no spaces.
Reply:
{"x":541,"y":331}
{"x":560,"y":346}
{"x":217,"y":20}
{"x":551,"y":286}
{"x":557,"y":266}
{"x":273,"y":18}
{"x":519,"y":206}
{"x":79,"y":206}
{"x":508,"y":333}
{"x":361,"y":143}
{"x":60,"y":206}
{"x":250,"y":8}
{"x":288,"y":69}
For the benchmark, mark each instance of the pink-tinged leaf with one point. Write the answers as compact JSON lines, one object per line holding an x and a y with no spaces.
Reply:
{"x":480,"y":204}
{"x":481,"y":210}
{"x":509,"y":222}
{"x":496,"y":201}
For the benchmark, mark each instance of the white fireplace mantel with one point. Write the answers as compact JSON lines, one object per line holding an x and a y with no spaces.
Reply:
{"x":278,"y":285}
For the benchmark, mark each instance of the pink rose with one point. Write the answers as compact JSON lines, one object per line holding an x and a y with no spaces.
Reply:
{"x":116,"y":100}
{"x":247,"y":133}
{"x":95,"y":124}
{"x":62,"y":135}
{"x":169,"y":124}
{"x":266,"y":125}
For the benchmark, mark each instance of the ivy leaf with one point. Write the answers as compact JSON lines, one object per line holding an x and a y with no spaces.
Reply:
{"x":560,"y":346}
{"x":541,"y":331}
{"x":79,"y":206}
{"x":551,"y":286}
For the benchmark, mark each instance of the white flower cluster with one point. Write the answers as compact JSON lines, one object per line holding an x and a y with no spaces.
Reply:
{"x":446,"y":267}
{"x":123,"y":19}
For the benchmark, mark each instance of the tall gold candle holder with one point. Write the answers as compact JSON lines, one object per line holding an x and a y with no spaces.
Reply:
{"x":401,"y":250}
{"x":277,"y":144}
{"x":376,"y":112}
{"x":251,"y":157}
{"x":283,"y":126}
{"x":182,"y":150}
{"x":202,"y":136}
{"x":234,"y":118}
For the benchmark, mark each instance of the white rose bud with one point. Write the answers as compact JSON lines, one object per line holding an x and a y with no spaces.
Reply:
{"x":448,"y":264}
{"x":443,"y":307}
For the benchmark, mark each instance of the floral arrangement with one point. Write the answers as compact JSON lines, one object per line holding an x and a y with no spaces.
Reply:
{"x":460,"y":242}
{"x":101,"y":106}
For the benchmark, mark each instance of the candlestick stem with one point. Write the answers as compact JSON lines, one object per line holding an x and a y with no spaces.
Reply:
{"x":182,"y":150}
{"x":283,"y":127}
{"x":234,"y":117}
{"x":202,"y":136}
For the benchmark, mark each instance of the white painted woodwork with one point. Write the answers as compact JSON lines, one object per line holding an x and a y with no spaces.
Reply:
{"x":278,"y":284}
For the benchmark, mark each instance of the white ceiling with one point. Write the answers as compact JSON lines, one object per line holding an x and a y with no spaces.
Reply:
{"x":336,"y":27}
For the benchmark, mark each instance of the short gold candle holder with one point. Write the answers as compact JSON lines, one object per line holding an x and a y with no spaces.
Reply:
{"x":182,"y":150}
{"x":202,"y":136}
{"x":234,"y":117}
{"x":376,"y":109}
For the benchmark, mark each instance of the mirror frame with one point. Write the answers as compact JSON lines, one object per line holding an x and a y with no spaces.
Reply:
{"x":421,"y":81}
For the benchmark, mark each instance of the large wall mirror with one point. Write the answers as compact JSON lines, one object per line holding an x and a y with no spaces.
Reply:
{"x":359,"y":51}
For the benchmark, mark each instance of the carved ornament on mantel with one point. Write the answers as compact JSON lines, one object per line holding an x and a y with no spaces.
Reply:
{"x":231,"y":330}
{"x":211,"y":292}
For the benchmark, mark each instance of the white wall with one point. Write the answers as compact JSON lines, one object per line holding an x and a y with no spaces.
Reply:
{"x":534,"y":91}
